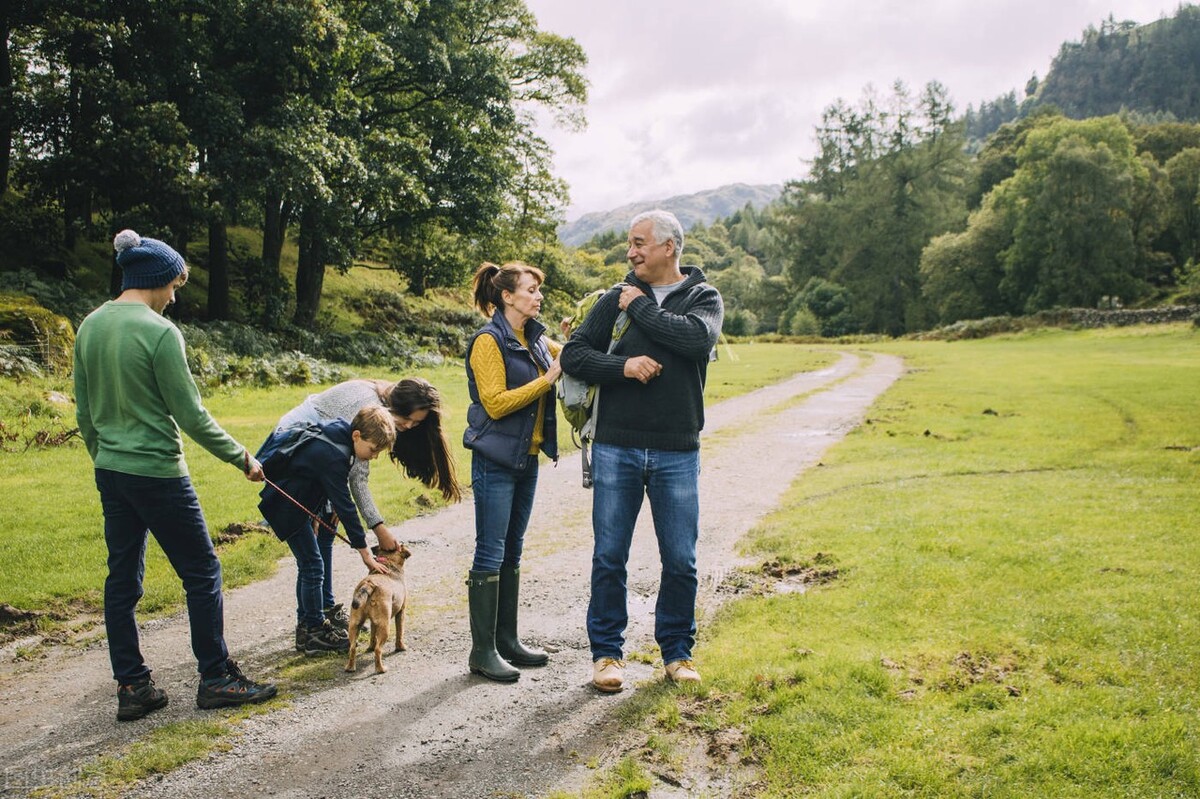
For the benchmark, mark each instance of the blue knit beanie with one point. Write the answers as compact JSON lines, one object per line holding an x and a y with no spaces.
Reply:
{"x":145,"y":263}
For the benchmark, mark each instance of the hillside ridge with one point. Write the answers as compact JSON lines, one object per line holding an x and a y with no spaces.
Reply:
{"x":703,"y":206}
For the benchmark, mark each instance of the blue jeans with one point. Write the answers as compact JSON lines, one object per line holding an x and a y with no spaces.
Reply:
{"x":325,"y":548}
{"x":306,"y":413}
{"x":503,"y":503}
{"x":167,"y":507}
{"x":310,"y":576}
{"x":671,"y":479}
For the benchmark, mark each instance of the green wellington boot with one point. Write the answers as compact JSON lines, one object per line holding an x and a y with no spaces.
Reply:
{"x":508,"y":643}
{"x":482,"y":592}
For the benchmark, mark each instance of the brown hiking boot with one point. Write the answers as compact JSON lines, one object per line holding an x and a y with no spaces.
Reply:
{"x":608,"y":675}
{"x":138,"y":699}
{"x":683,"y":671}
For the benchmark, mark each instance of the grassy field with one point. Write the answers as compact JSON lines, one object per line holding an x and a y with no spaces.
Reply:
{"x":52,"y":554}
{"x":1014,"y":608}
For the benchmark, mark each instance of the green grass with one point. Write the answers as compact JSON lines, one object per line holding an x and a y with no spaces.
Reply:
{"x":52,"y":554}
{"x":1016,"y":611}
{"x":159,"y":751}
{"x":745,"y":367}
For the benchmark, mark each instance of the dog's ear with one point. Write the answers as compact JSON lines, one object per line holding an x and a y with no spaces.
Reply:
{"x":405,"y":552}
{"x":375,"y":550}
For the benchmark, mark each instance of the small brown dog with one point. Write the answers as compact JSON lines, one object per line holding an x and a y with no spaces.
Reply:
{"x":379,"y":597}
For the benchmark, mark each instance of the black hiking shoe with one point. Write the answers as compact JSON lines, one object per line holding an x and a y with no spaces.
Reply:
{"x":338,"y":616}
{"x":301,"y":637}
{"x":232,"y":688}
{"x":137,"y":699}
{"x":326,"y":638}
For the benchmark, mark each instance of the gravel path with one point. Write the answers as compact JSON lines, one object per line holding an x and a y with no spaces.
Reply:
{"x":427,"y":728}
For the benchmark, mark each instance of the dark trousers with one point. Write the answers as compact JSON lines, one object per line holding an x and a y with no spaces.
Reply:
{"x":168,"y":508}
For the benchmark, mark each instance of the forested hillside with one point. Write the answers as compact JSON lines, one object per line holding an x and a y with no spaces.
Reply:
{"x":1151,"y":69}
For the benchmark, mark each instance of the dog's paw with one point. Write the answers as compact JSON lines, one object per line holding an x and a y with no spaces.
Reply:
{"x":349,"y":668}
{"x":400,"y":648}
{"x":380,"y":669}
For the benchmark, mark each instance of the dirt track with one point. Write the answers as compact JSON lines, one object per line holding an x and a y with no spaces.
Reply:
{"x":427,"y":728}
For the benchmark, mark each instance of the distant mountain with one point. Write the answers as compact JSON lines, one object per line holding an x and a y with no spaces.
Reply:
{"x":704,"y":206}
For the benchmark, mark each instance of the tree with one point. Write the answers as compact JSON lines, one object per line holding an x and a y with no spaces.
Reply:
{"x":1071,"y":202}
{"x":961,"y":272}
{"x":889,"y":176}
{"x":1183,"y":225}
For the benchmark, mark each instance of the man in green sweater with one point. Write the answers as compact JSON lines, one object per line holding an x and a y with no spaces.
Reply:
{"x":134,"y":394}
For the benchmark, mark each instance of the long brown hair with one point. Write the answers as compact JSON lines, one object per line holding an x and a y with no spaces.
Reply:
{"x":491,"y":281}
{"x":423,"y":450}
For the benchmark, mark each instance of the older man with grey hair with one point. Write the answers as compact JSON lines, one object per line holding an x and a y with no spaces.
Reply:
{"x":648,"y":416}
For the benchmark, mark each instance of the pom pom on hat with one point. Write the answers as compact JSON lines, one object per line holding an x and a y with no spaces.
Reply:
{"x":126,"y":239}
{"x":146,"y":263}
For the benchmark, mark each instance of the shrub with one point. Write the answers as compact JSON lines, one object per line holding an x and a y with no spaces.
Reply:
{"x":740,"y":323}
{"x":58,"y":296}
{"x":46,"y":337}
{"x":803,"y":323}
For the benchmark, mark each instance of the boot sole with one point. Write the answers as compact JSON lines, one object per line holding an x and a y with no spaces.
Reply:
{"x":528,"y":662}
{"x":494,"y":678}
{"x":609,"y":689}
{"x":213,"y":703}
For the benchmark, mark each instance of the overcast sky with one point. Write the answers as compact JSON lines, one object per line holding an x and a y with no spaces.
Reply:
{"x":688,"y":95}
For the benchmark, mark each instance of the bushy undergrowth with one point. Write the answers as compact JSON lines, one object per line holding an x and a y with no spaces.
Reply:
{"x":235,"y":354}
{"x":433,"y":327}
{"x":61,"y":297}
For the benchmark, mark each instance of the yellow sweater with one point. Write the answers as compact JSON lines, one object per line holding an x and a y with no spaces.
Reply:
{"x":491,"y":382}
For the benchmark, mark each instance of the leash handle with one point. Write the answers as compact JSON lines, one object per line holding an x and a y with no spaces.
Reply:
{"x":311,"y":515}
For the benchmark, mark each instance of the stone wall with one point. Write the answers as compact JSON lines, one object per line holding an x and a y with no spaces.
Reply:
{"x":1121,"y":317}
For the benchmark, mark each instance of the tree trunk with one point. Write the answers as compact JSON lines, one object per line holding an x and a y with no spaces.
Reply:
{"x":270,"y":283}
{"x":218,"y":267}
{"x":114,"y":278}
{"x":6,"y":101}
{"x":310,"y":269}
{"x":274,"y":226}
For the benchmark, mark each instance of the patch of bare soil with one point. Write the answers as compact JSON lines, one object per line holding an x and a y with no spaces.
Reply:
{"x":427,"y":728}
{"x":16,"y":622}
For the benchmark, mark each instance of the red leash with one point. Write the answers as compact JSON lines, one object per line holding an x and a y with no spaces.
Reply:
{"x":295,"y":502}
{"x":311,"y":515}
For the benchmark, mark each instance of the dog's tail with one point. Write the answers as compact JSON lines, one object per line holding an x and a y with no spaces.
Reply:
{"x":361,"y":594}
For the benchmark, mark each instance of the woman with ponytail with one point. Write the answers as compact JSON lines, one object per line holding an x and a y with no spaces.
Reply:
{"x":511,"y":371}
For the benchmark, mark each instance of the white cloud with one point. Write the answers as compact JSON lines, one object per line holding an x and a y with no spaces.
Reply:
{"x":688,"y":95}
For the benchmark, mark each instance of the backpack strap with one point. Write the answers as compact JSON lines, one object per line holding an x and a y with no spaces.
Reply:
{"x":620,"y":325}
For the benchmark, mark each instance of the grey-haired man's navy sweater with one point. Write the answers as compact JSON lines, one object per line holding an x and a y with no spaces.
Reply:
{"x":668,"y":412}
